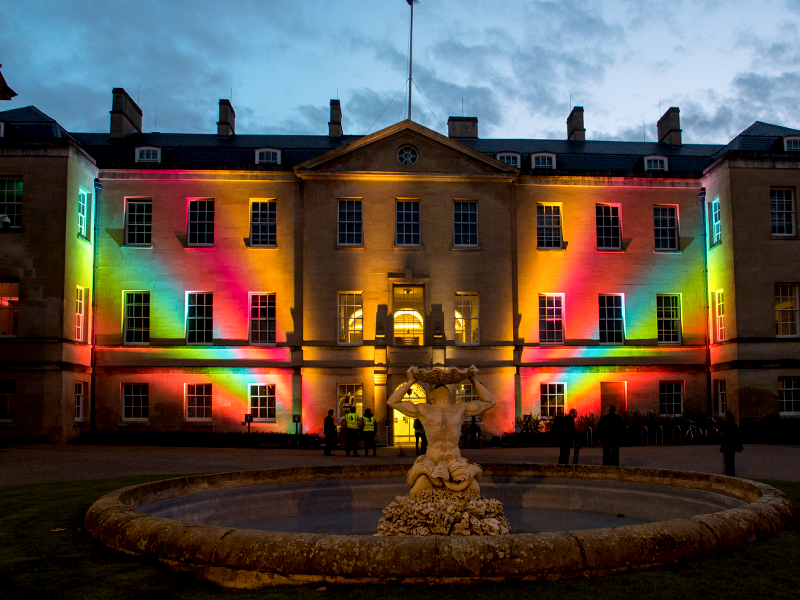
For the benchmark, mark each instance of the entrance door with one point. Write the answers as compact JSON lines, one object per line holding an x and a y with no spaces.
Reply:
{"x":403,"y":425}
{"x":613,"y":393}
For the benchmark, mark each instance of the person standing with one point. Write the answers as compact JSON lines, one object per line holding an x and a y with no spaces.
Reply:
{"x":611,"y":430}
{"x":419,"y":437}
{"x":368,"y":432}
{"x":351,"y":431}
{"x":564,"y":432}
{"x":329,"y":430}
{"x":474,"y":434}
{"x":731,"y":444}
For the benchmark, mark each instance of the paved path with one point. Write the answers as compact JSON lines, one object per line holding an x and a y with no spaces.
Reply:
{"x":48,"y":463}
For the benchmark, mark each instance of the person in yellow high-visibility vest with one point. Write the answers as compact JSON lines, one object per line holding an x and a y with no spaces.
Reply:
{"x":369,"y":433}
{"x":351,"y":431}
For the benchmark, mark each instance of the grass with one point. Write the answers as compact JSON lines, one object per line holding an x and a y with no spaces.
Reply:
{"x":46,"y":553}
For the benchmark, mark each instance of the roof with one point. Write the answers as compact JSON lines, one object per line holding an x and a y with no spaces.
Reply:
{"x":760,"y":136}
{"x":30,"y":122}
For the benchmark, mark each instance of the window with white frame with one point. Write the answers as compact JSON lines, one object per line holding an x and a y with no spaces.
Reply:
{"x":668,"y":315}
{"x":408,"y":311}
{"x":262,"y":402}
{"x":720,"y":396}
{"x":199,"y":318}
{"x":465,"y":223}
{"x":148,"y":154}
{"x":351,"y":231}
{"x":8,"y":388}
{"x":136,"y":318}
{"x":655,"y":163}
{"x":200,"y":230}
{"x":510,"y":158}
{"x":407,"y":223}
{"x":407,"y":155}
{"x":263,"y":223}
{"x":262,"y":319}
{"x":665,"y":227}
{"x":351,"y":318}
{"x":83,"y":214}
{"x":467,"y":331}
{"x":9,"y":308}
{"x":80,"y":400}
{"x":268,"y":156}
{"x":80,"y":317}
{"x":670,"y":398}
{"x":781,"y":202}
{"x":716,"y":223}
{"x":789,"y":395}
{"x":791,"y":144}
{"x":10,"y":203}
{"x":198,"y":401}
{"x":609,"y":227}
{"x":548,"y":226}
{"x":138,"y":221}
{"x":347,"y":395}
{"x":786,"y":313}
{"x":611,"y":319}
{"x":543,"y":161}
{"x":719,"y":316}
{"x":551,"y":318}
{"x":465,"y":392}
{"x":553,"y":399}
{"x":135,"y":401}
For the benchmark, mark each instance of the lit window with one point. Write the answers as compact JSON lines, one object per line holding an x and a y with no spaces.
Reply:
{"x":551,"y":318}
{"x":407,"y":155}
{"x":409,"y":307}
{"x":553,"y":399}
{"x":655,"y":163}
{"x":548,"y":226}
{"x":136,"y":323}
{"x":351,"y":318}
{"x":263,"y":224}
{"x":465,"y":223}
{"x":665,"y":224}
{"x":9,"y":308}
{"x":148,"y":154}
{"x":10,"y":203}
{"x":791,"y":144}
{"x":466,"y":318}
{"x":719,"y":315}
{"x":8,"y":388}
{"x":80,"y":399}
{"x":268,"y":156}
{"x":135,"y":401}
{"x":407,"y":223}
{"x":786,"y":312}
{"x":720,"y":396}
{"x":201,"y":222}
{"x":789,"y":395}
{"x":199,"y":318}
{"x":510,"y":158}
{"x":670,"y":397}
{"x":611,"y":320}
{"x":138,"y":221}
{"x":349,"y":394}
{"x":262,"y":318}
{"x":350,"y":223}
{"x":262,"y":402}
{"x":544,"y":161}
{"x":80,"y":295}
{"x":716,"y":223}
{"x":609,"y":227}
{"x":198,"y":401}
{"x":668,"y":309}
{"x":83,"y":214}
{"x":782,"y":207}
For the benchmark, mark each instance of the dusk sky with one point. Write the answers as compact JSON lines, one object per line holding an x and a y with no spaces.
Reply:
{"x":514,"y":64}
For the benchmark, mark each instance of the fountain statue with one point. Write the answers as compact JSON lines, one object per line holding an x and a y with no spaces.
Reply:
{"x":445,"y":494}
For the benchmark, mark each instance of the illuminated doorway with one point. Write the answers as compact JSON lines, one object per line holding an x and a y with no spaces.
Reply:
{"x":403,"y":425}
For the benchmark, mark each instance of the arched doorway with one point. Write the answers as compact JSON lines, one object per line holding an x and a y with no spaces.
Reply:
{"x":403,"y":425}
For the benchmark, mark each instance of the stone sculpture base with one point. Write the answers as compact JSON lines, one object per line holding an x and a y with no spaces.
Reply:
{"x":443,"y":512}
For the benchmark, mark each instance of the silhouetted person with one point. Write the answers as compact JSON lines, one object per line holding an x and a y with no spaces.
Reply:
{"x":474,"y":434}
{"x":612,"y":431}
{"x":419,"y":437}
{"x":731,"y":444}
{"x":564,"y":433}
{"x":329,"y":430}
{"x":368,"y":432}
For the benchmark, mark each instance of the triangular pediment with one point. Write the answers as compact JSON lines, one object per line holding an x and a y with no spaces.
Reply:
{"x":378,"y":154}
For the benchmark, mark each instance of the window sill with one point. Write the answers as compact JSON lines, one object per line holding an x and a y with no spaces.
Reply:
{"x":201,"y":247}
{"x":466,"y":345}
{"x":267,"y":421}
{"x":135,"y":345}
{"x":84,"y":239}
{"x":552,"y":344}
{"x":263,"y":246}
{"x":667,"y":251}
{"x":609,"y":251}
{"x":785,"y":237}
{"x":673,"y":344}
{"x":409,"y":247}
{"x":467,"y":247}
{"x":349,"y":246}
{"x":139,"y":246}
{"x":553,"y":249}
{"x":6,"y":423}
{"x":134,"y":423}
{"x":200,"y":422}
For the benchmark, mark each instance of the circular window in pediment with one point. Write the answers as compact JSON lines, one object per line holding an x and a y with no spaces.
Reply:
{"x":407,"y":155}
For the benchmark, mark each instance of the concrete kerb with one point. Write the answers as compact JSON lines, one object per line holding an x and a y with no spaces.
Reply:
{"x":243,"y":558}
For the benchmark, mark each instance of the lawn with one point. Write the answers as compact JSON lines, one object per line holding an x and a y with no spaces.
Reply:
{"x":46,"y":553}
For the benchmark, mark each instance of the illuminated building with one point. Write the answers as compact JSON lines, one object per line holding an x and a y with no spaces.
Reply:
{"x":282,"y":275}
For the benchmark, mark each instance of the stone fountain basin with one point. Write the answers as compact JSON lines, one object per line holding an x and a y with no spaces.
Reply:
{"x":204,"y":524}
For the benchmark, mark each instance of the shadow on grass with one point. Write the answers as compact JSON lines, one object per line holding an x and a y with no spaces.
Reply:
{"x":46,"y":553}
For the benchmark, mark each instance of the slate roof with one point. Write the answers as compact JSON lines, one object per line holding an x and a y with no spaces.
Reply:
{"x":759,"y":137}
{"x":30,"y":122}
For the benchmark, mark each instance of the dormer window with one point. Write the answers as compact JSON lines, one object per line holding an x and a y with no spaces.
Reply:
{"x":510,"y":158}
{"x":148,"y":154}
{"x":543,"y":161}
{"x":791,"y":144}
{"x":268,"y":156}
{"x":655,"y":163}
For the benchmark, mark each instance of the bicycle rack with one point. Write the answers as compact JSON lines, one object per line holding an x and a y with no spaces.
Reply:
{"x":645,"y":435}
{"x":659,"y":432}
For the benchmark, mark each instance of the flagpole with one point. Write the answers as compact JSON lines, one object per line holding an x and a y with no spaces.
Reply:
{"x":410,"y":54}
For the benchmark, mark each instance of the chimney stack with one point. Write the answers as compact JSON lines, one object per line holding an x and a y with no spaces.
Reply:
{"x":462,"y":127}
{"x":126,"y":116}
{"x":335,"y":124}
{"x":226,"y":125}
{"x":669,"y":126}
{"x":575,"y":129}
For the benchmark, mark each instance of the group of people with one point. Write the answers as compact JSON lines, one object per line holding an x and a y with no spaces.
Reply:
{"x":356,"y":428}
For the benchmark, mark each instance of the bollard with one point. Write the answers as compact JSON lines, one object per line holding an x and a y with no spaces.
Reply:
{"x":645,"y":435}
{"x":660,"y":430}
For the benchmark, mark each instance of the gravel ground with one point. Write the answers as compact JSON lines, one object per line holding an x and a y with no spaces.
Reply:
{"x":48,"y":463}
